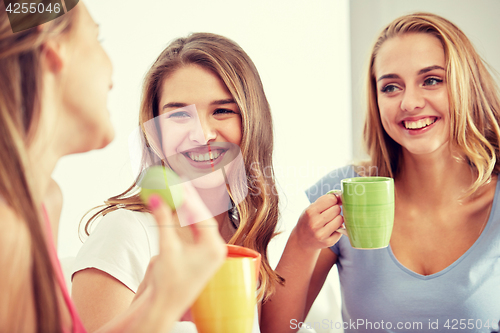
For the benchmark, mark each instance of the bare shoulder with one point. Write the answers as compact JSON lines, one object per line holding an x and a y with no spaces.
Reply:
{"x":14,"y":231}
{"x":15,"y":245}
{"x":16,"y":303}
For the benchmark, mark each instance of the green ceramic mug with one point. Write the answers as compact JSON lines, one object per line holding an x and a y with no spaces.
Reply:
{"x":368,"y":207}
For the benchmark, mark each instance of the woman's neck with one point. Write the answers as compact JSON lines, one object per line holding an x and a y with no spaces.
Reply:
{"x":226,"y":229}
{"x":53,"y":135}
{"x":43,"y":157}
{"x":217,"y":201}
{"x":437,"y":179}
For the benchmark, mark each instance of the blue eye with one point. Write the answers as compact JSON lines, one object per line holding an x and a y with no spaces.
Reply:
{"x":390,"y":88}
{"x":179,"y":115}
{"x":432,"y":81}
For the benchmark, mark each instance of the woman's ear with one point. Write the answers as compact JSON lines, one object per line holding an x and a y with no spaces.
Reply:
{"x":53,"y":54}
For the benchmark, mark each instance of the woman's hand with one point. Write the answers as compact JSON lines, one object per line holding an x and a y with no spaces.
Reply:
{"x":303,"y":265}
{"x":316,"y":228}
{"x":182,"y":268}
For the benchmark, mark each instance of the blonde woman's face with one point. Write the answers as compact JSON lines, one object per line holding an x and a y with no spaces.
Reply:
{"x":200,"y":125}
{"x":412,"y":93}
{"x":87,"y":81}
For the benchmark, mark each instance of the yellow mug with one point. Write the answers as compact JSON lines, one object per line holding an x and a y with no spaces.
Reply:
{"x":227,"y":304}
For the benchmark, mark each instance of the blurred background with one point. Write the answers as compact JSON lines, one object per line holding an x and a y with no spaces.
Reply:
{"x":300,"y":49}
{"x":312,"y":59}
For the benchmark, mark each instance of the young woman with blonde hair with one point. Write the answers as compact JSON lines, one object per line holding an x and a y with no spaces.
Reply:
{"x":433,"y":125}
{"x":210,"y":79}
{"x":54,"y":81}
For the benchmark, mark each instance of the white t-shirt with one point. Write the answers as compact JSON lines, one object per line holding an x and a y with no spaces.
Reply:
{"x":122,"y":245}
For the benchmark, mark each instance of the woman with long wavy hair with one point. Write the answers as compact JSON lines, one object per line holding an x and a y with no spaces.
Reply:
{"x":432,"y":124}
{"x":209,"y":80}
{"x":54,"y":81}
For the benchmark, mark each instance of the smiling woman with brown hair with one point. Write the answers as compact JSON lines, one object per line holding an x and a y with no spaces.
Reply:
{"x":209,"y":80}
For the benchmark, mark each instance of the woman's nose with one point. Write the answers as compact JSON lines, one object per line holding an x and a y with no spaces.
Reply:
{"x":412,"y":99}
{"x":202,"y":132}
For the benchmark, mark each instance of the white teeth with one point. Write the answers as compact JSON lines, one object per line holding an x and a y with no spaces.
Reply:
{"x":421,"y":123}
{"x":203,"y":157}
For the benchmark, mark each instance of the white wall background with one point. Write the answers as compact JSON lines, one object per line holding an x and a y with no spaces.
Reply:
{"x":300,"y":49}
{"x":479,"y":20}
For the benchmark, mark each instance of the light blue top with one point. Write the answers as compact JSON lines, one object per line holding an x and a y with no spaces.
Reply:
{"x":381,"y":295}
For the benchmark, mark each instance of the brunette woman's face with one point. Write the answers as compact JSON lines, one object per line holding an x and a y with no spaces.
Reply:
{"x":200,"y":125}
{"x":412,"y":93}
{"x":87,"y":82}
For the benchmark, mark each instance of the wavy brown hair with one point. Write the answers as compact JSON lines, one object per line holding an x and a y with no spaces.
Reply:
{"x":20,"y":93}
{"x":473,"y":94}
{"x":257,"y":214}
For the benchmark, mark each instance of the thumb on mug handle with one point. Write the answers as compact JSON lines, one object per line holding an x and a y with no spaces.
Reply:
{"x":342,"y":231}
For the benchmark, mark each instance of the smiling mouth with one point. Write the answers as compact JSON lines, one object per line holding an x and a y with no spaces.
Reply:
{"x":206,"y":157}
{"x":419,"y":124}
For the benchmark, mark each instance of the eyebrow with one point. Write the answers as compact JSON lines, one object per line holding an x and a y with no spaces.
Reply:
{"x":388,"y":76}
{"x":428,"y":69}
{"x":223,"y":101}
{"x":420,"y":72}
{"x":174,"y":105}
{"x":180,"y":105}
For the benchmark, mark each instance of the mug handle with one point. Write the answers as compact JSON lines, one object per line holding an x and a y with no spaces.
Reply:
{"x":342,"y":231}
{"x":338,"y":194}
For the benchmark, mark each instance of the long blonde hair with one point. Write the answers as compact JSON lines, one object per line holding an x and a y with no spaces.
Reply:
{"x":473,"y":94}
{"x":20,"y":87}
{"x":258,"y":212}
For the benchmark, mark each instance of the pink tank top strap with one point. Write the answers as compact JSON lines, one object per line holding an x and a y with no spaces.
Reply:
{"x":77,"y":323}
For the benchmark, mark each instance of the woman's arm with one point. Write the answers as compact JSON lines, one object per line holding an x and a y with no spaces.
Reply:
{"x":111,"y":264}
{"x":176,"y":276}
{"x":172,"y":281}
{"x":99,"y":297}
{"x":327,"y":258}
{"x":305,"y":264}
